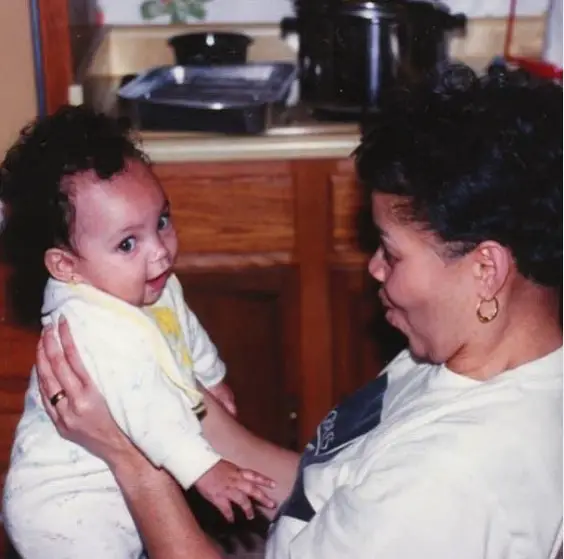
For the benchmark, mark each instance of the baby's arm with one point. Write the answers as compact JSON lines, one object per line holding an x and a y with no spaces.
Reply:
{"x":208,"y":368}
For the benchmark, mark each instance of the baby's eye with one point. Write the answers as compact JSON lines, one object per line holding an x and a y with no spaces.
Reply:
{"x":164,"y":221}
{"x":127,"y":245}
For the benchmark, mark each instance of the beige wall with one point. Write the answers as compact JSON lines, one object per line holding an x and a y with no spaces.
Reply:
{"x":17,"y":84}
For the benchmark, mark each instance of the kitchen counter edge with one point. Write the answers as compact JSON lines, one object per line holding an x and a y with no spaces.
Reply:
{"x":242,"y":148}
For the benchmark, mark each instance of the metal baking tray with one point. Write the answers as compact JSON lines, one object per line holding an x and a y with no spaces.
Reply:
{"x":233,"y":99}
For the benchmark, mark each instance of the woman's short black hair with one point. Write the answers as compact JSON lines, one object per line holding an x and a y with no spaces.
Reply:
{"x":476,"y":158}
{"x":34,"y":192}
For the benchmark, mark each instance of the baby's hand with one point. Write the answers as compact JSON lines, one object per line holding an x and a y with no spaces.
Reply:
{"x":225,"y":396}
{"x":225,"y":483}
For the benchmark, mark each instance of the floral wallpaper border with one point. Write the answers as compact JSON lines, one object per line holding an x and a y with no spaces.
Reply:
{"x":178,"y":11}
{"x":139,"y":12}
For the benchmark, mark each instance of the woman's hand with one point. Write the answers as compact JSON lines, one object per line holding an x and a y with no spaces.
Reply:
{"x":80,"y":412}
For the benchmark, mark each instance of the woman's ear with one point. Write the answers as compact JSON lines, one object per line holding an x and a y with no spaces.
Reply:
{"x":492,"y":265}
{"x":61,"y":264}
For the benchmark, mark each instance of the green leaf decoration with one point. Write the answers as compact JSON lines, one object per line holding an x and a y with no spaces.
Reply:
{"x":150,"y":9}
{"x":182,"y":10}
{"x":178,"y":10}
{"x":196,"y":10}
{"x":172,"y":9}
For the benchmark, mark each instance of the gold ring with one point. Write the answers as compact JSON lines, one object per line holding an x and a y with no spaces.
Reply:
{"x":57,"y":397}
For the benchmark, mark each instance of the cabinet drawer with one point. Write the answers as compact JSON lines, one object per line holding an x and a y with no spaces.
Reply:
{"x":231,"y":207}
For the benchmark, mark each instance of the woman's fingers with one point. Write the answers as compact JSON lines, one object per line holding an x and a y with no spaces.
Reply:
{"x":46,"y":385}
{"x":47,"y":381}
{"x":71,"y":354}
{"x":59,"y":368}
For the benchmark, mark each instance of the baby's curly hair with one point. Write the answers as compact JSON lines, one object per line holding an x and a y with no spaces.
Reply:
{"x":476,"y":158}
{"x":34,"y":190}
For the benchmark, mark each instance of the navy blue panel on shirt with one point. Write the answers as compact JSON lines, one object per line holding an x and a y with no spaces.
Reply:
{"x":355,"y":416}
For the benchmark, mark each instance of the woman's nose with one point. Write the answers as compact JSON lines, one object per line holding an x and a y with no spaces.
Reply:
{"x":377,"y":266}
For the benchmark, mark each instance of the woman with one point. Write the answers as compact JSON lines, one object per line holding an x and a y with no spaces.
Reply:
{"x":455,"y":449}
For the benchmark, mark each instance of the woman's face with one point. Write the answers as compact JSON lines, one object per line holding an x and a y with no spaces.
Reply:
{"x":429,"y":296}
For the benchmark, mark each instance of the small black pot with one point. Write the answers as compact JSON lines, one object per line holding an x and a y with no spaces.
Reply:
{"x":202,"y":49}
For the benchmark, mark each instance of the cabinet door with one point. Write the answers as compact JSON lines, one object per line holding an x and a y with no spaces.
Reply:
{"x":249,"y":315}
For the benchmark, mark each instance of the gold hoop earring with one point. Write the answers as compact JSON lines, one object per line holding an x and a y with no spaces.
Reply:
{"x":485,"y":318}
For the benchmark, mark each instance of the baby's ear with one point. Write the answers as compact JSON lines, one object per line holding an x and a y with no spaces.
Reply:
{"x":61,"y":264}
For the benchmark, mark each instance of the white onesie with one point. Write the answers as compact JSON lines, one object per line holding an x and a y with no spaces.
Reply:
{"x":59,"y":500}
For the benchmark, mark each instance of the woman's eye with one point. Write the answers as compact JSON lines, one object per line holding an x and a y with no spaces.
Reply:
{"x":127,"y":245}
{"x":389,"y":258}
{"x":164,"y":221}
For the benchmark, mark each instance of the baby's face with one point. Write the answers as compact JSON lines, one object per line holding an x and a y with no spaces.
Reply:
{"x":123,"y":235}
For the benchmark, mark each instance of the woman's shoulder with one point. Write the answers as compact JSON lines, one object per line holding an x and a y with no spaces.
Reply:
{"x":512,"y":423}
{"x":544,"y":372}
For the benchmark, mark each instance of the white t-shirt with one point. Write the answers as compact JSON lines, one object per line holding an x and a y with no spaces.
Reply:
{"x":424,"y":463}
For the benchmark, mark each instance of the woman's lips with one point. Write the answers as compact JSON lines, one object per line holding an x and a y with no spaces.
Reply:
{"x":389,"y":308}
{"x":384,"y":300}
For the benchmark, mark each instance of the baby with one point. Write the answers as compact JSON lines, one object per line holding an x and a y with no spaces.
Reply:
{"x":89,"y":237}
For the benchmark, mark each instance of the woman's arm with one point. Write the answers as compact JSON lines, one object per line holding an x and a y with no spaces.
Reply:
{"x":157,"y":504}
{"x":155,"y":501}
{"x":238,"y":445}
